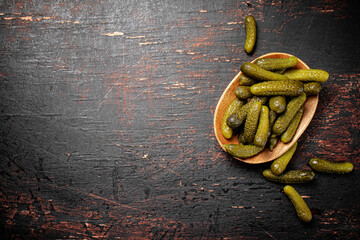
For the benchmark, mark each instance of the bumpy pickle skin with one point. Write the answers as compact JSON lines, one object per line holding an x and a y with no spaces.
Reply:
{"x":277,"y":104}
{"x":251,"y":122}
{"x":272,"y":143}
{"x":291,"y":130}
{"x":238,"y":118}
{"x":233,"y":107}
{"x":290,"y":177}
{"x":262,"y":131}
{"x":275,"y":64}
{"x":246,"y":81}
{"x":283,"y":121}
{"x":312,"y":75}
{"x":253,"y":71}
{"x":278,"y":88}
{"x":312,"y":88}
{"x":241,"y":137}
{"x":250,"y":28}
{"x":322,"y":165}
{"x":241,"y":150}
{"x":243,"y":92}
{"x":279,"y":165}
{"x":302,"y":209}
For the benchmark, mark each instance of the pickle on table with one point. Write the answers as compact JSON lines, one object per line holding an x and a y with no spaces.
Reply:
{"x":278,"y":88}
{"x":254,"y":71}
{"x":290,"y":131}
{"x":302,"y":210}
{"x":289,"y":177}
{"x":262,"y":131}
{"x":251,"y":121}
{"x":322,"y":165}
{"x":312,"y":88}
{"x":233,"y":107}
{"x":250,"y":28}
{"x":277,"y":104}
{"x":246,"y":81}
{"x":241,"y":150}
{"x":243,"y":92}
{"x":275,"y":64}
{"x":313,"y":75}
{"x":279,"y":165}
{"x":283,"y":121}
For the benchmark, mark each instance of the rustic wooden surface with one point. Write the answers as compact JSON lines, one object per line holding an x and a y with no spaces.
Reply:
{"x":107,"y":110}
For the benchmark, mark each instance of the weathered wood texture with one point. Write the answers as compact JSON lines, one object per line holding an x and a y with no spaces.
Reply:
{"x":107,"y":109}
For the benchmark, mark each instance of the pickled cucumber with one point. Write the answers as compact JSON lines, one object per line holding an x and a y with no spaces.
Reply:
{"x":246,"y":81}
{"x":290,"y":131}
{"x":254,"y":71}
{"x":251,"y":121}
{"x":250,"y":27}
{"x":322,"y":165}
{"x":292,"y":176}
{"x":234,"y":106}
{"x":272,"y":118}
{"x":272,"y":143}
{"x":272,"y":64}
{"x":238,"y":117}
{"x":262,"y":131}
{"x":277,"y":104}
{"x":278,"y":88}
{"x":279,"y":165}
{"x":283,"y":121}
{"x":233,"y":121}
{"x":241,"y":137}
{"x":313,"y":75}
{"x":302,"y":209}
{"x":243,"y":92}
{"x":312,"y":88}
{"x":241,"y":150}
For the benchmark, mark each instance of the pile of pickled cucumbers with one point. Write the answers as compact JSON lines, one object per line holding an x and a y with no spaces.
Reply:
{"x":267,"y":109}
{"x":269,"y":104}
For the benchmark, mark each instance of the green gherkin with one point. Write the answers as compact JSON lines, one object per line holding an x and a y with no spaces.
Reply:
{"x":292,"y":176}
{"x":278,"y":88}
{"x":245,"y":81}
{"x":272,"y":64}
{"x":272,"y":142}
{"x":283,"y":121}
{"x":291,"y":130}
{"x":302,"y":209}
{"x":237,"y":118}
{"x":242,"y":151}
{"x":250,"y":27}
{"x":277,"y":104}
{"x":243,"y":92}
{"x":322,"y":165}
{"x":251,"y":122}
{"x":233,"y":107}
{"x":312,"y":88}
{"x":255,"y":72}
{"x":313,"y":75}
{"x":262,"y":131}
{"x":279,"y":165}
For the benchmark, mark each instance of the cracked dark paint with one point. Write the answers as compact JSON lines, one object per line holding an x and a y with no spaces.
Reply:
{"x":106,"y":120}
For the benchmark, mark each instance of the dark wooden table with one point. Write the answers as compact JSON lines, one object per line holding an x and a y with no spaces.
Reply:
{"x":107,"y":120}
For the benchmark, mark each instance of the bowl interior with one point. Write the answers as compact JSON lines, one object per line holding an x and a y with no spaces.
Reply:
{"x":266,"y":155}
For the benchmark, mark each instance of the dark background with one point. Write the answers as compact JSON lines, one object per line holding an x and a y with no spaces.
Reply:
{"x":107,"y":119}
